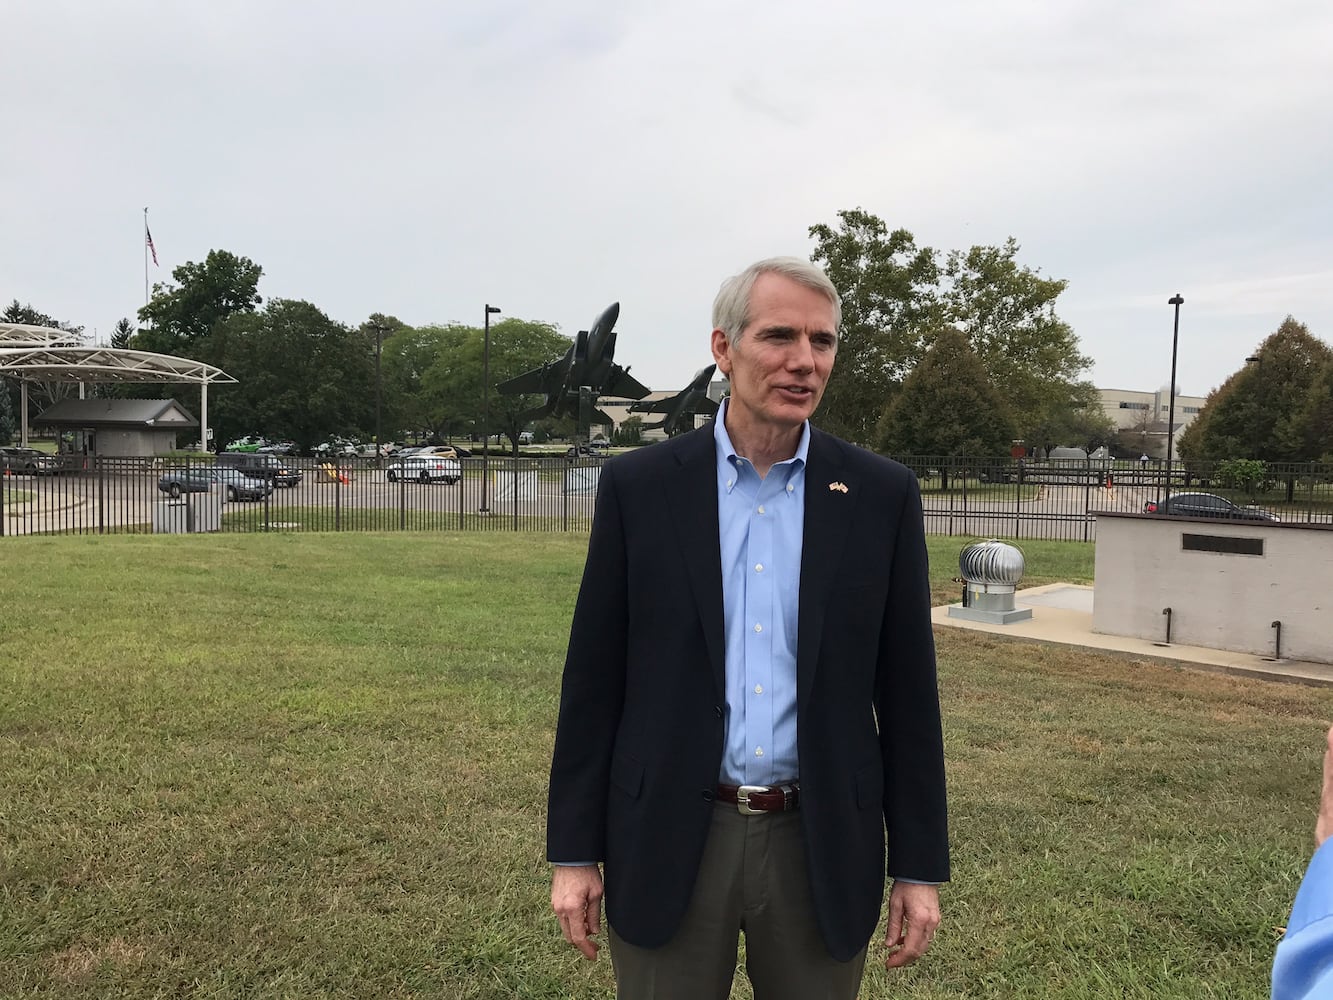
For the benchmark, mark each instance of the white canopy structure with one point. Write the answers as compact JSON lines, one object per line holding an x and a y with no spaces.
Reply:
{"x":43,"y":354}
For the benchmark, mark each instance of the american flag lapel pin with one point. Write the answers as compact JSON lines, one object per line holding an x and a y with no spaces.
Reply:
{"x":837,"y":487}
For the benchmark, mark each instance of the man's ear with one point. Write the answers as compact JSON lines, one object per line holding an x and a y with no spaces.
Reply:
{"x":721,"y":352}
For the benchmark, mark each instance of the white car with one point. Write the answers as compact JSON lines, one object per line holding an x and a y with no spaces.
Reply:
{"x":425,"y":469}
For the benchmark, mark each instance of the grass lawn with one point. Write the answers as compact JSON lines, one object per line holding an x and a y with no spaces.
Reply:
{"x":299,"y":765}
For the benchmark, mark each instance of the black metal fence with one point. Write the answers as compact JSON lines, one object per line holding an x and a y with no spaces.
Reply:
{"x":133,"y":495}
{"x":992,"y":497}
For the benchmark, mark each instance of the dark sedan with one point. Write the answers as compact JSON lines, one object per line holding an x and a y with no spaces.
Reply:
{"x":1207,"y":505}
{"x":28,"y":461}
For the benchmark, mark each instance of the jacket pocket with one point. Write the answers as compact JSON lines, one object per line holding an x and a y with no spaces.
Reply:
{"x":869,"y":787}
{"x":627,"y":775}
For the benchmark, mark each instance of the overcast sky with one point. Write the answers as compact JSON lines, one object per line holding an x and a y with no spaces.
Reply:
{"x":424,"y":158}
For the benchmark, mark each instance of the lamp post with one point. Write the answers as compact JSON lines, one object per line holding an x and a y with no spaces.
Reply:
{"x":486,"y":406}
{"x":378,"y":327}
{"x":1177,"y":301}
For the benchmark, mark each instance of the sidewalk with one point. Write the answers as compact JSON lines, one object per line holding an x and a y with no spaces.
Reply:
{"x":1062,"y":616}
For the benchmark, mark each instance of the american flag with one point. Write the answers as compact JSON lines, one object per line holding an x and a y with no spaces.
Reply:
{"x":151,"y":249}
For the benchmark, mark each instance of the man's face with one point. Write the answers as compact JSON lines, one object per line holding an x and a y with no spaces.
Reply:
{"x":781,"y":363}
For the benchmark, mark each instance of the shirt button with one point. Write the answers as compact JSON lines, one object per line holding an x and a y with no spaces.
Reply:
{"x":730,"y":482}
{"x":758,"y":627}
{"x":761,"y":508}
{"x":759,"y":689}
{"x":758,"y":567}
{"x":758,"y":751}
{"x":790,"y":487}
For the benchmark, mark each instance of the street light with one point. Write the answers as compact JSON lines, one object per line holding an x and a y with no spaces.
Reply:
{"x":486,"y":407}
{"x":378,"y":327}
{"x":1177,"y":301}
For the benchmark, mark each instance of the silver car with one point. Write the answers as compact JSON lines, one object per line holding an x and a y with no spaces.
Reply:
{"x":425,"y":469}
{"x":236,"y":485}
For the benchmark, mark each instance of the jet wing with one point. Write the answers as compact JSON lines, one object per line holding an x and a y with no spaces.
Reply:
{"x":653,"y":405}
{"x":623,"y":385}
{"x":536,"y":380}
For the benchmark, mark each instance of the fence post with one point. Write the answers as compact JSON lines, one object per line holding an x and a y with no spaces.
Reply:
{"x":101,"y":494}
{"x":514,"y":463}
{"x":337,"y":495}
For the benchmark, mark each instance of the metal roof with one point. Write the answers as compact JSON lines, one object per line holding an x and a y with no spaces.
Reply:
{"x":166,"y":413}
{"x":38,"y":353}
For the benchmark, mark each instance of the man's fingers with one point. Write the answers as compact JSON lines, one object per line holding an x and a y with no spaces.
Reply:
{"x":577,"y":932}
{"x":912,"y":946}
{"x":576,"y":897}
{"x":914,"y":913}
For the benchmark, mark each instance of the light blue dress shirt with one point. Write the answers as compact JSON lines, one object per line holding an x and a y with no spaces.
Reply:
{"x":1303,"y":966}
{"x":760,"y":527}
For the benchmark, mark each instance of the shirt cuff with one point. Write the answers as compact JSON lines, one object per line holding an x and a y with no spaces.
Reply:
{"x":913,"y":881}
{"x":575,"y":864}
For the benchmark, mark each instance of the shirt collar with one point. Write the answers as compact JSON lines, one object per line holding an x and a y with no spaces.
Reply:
{"x":726,"y":451}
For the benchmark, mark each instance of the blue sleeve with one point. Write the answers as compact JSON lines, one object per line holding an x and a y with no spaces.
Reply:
{"x":1303,"y":966}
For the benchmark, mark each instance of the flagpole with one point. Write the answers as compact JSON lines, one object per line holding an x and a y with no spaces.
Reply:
{"x":145,"y":255}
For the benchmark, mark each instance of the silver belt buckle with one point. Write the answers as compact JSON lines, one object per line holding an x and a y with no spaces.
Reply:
{"x":743,"y":794}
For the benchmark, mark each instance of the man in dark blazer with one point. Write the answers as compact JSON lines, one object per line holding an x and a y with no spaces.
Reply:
{"x":749,"y":699}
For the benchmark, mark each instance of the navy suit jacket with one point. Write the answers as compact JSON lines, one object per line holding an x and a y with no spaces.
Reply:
{"x":640,"y":735}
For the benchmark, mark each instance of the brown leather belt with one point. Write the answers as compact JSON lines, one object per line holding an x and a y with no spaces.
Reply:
{"x":754,"y":799}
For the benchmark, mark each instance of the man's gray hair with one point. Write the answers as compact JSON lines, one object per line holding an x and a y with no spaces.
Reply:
{"x":731,"y":308}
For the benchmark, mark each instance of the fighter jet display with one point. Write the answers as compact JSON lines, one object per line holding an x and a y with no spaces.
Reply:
{"x":681,"y":408}
{"x":572,"y":383}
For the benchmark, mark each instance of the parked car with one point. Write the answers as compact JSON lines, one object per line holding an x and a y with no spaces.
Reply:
{"x":425,"y":469}
{"x":248,"y":443}
{"x":1207,"y":505}
{"x":29,"y":461}
{"x":200,"y":479}
{"x":261,"y":466}
{"x":279,"y":448}
{"x":593,"y":449}
{"x":437,"y":451}
{"x":337,"y":447}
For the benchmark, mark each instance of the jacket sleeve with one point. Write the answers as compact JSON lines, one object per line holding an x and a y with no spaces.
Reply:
{"x":908,"y":709}
{"x":592,"y":692}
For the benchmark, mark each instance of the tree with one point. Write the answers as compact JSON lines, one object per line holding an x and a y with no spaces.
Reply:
{"x":300,"y":375}
{"x":889,"y":299}
{"x":629,"y":433}
{"x":1316,"y":417}
{"x":895,"y":293}
{"x":8,"y":425}
{"x":40,"y":394}
{"x":517,"y":346}
{"x":947,"y":406}
{"x":181,"y":315}
{"x":1072,"y":416}
{"x":121,"y":333}
{"x":1008,"y":314}
{"x":28,"y":316}
{"x":413,"y":402}
{"x":1263,"y":411}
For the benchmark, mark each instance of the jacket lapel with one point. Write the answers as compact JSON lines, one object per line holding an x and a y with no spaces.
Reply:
{"x":691,"y":488}
{"x":828,"y":518}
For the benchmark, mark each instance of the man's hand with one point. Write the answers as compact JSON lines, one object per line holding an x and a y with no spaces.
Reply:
{"x":914,"y":913}
{"x":1323,"y":827}
{"x":576,"y":897}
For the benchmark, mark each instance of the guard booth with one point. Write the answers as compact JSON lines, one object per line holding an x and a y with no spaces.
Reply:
{"x":121,"y":428}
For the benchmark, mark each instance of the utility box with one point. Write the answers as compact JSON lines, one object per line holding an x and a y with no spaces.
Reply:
{"x":192,"y":512}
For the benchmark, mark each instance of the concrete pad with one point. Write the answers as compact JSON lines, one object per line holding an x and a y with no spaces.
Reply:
{"x":1062,"y":616}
